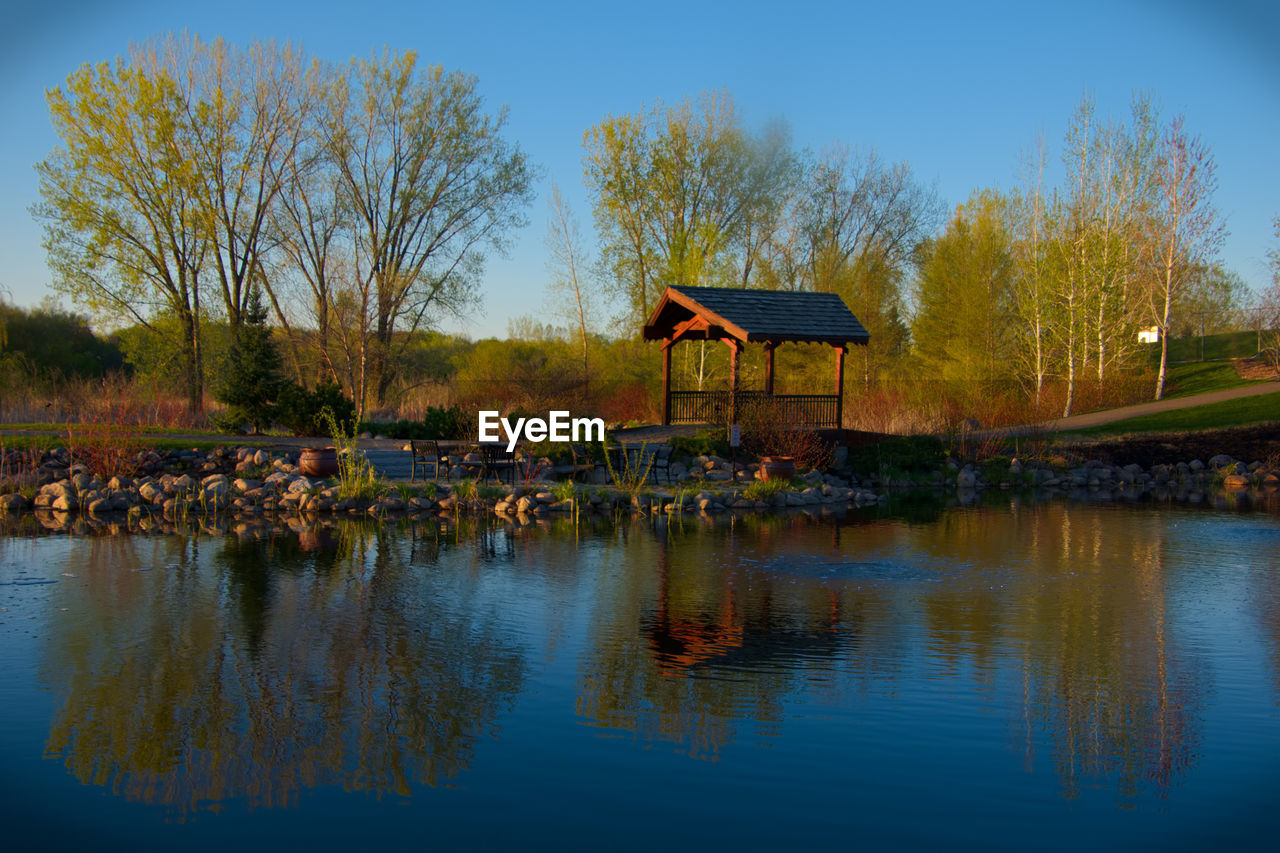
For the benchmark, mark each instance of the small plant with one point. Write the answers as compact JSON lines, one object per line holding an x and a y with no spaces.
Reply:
{"x":635,"y":471}
{"x":683,"y":493}
{"x":356,"y":477}
{"x":765,"y":490}
{"x":466,"y":490}
{"x":565,"y":491}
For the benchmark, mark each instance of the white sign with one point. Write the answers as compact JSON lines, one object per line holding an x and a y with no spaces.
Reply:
{"x":735,"y":435}
{"x":560,"y":428}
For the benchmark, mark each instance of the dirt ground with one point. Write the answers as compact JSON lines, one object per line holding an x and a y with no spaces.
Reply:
{"x":1256,"y":368}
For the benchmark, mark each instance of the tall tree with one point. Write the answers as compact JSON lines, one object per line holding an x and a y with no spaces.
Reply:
{"x":963,"y":323}
{"x":682,"y":195}
{"x":1029,"y":286}
{"x":124,"y":224}
{"x":570,"y":268}
{"x":1184,"y":230}
{"x":860,"y":221}
{"x":430,"y":180}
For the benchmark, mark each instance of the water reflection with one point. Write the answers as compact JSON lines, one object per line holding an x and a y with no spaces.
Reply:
{"x":203,"y":667}
{"x":204,"y":670}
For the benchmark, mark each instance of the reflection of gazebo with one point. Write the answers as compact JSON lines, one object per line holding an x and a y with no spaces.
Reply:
{"x":736,"y":317}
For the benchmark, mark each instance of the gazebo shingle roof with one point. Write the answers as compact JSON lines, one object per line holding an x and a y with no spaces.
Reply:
{"x":759,"y":315}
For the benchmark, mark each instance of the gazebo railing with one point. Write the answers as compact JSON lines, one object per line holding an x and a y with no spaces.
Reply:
{"x":805,"y":411}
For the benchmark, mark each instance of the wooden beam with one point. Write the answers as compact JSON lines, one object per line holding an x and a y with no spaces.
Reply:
{"x":734,"y":350}
{"x":839,"y":387}
{"x":668,"y":346}
{"x":768,"y":367}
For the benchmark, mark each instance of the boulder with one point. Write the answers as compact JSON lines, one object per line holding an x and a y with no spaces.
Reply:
{"x":12,"y":503}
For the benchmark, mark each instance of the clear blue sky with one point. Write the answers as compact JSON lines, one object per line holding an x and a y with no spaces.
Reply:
{"x":960,"y":91}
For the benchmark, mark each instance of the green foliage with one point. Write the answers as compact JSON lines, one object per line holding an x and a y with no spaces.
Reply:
{"x":466,"y":490}
{"x":630,"y":479}
{"x":252,"y":382}
{"x":707,"y":442}
{"x":963,"y":322}
{"x":565,"y":490}
{"x":47,"y":344}
{"x":356,"y":476}
{"x":301,"y":411}
{"x":438,"y":422}
{"x":764,"y":490}
{"x":911,"y":453}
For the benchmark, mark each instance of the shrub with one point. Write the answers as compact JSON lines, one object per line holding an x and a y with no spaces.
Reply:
{"x":251,"y":382}
{"x":707,"y":442}
{"x":107,"y":450}
{"x":437,"y":422}
{"x":766,"y":431}
{"x":300,"y":411}
{"x":909,"y":453}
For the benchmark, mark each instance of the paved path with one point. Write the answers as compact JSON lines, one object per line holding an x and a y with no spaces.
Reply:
{"x":1109,"y":416}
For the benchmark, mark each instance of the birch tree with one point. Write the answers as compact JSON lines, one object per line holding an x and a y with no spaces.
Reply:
{"x":1184,"y":229}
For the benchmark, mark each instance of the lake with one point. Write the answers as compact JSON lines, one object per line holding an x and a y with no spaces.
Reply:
{"x":1004,"y":676}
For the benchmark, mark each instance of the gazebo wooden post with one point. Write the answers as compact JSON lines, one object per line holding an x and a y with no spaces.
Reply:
{"x":840,"y":385}
{"x":734,"y":349}
{"x":666,"y":382}
{"x":768,"y":368}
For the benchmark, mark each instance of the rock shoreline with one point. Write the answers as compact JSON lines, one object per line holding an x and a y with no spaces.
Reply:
{"x":253,"y":482}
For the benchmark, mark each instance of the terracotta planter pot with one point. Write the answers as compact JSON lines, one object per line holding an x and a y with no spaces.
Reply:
{"x":778,"y":467}
{"x":319,"y":462}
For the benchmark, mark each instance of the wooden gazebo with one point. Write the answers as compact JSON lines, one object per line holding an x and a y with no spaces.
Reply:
{"x":737,"y":317}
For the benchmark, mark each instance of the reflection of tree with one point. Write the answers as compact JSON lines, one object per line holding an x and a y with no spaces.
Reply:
{"x":1267,"y":596}
{"x":1085,"y":603}
{"x":257,"y":669}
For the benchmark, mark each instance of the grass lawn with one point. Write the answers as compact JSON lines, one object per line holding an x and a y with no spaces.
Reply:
{"x":1226,"y":345}
{"x":62,"y":428}
{"x":1192,"y":378}
{"x":1247,"y":410}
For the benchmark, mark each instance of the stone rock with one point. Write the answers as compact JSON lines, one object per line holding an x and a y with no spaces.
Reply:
{"x":966,"y":478}
{"x":1236,"y":482}
{"x":12,"y":503}
{"x":63,"y":503}
{"x":525,"y":504}
{"x":1222,"y":460}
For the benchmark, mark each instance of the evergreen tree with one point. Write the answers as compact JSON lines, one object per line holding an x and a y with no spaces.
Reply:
{"x":253,"y":380}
